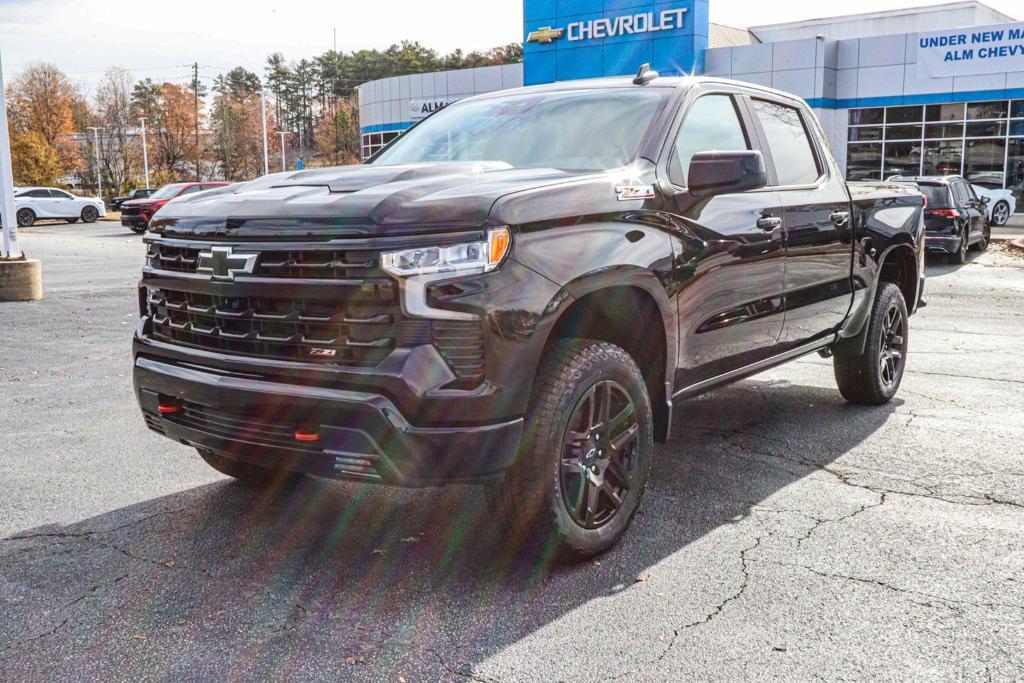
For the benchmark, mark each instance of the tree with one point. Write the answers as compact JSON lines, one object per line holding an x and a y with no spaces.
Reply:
{"x":42,"y":100}
{"x":34,"y":160}
{"x":337,"y":132}
{"x":120,"y":148}
{"x":238,"y":81}
{"x":170,"y":110}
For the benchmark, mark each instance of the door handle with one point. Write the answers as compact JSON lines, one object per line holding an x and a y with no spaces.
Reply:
{"x":769,"y":223}
{"x":840,"y":218}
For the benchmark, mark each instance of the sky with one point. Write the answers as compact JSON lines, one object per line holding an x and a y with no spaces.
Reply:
{"x":161,"y":40}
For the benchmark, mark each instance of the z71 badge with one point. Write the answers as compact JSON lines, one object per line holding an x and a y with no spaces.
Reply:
{"x":627,"y":193}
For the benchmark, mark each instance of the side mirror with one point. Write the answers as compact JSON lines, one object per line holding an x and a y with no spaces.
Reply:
{"x":985,"y":200}
{"x":714,"y":173}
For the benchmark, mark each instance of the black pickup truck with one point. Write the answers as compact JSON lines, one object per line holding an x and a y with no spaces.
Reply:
{"x":516,"y":291}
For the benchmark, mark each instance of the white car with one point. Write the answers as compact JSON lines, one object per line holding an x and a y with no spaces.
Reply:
{"x":1002,"y":203}
{"x":33,"y":203}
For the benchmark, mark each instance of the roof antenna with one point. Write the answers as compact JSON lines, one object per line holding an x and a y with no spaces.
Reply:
{"x":645,"y":75}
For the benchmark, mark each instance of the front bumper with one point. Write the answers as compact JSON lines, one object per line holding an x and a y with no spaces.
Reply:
{"x":363,"y":436}
{"x":133,"y":221}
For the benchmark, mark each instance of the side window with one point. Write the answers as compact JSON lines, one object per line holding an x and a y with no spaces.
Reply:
{"x":37,"y":194}
{"x":190,"y":189}
{"x":712,"y":124}
{"x":792,"y":152}
{"x":60,"y":194}
{"x":960,"y":194}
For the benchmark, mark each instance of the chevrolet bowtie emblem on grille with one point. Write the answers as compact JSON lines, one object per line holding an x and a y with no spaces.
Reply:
{"x":545,"y":35}
{"x":222,"y":264}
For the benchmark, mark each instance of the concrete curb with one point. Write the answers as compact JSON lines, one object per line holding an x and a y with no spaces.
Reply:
{"x":21,"y":280}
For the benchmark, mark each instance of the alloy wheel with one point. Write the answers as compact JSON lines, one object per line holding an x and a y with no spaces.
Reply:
{"x":1001,"y":213}
{"x":600,"y":453}
{"x":891,"y":355}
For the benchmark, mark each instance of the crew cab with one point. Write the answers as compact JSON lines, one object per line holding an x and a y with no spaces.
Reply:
{"x":137,"y":213}
{"x":518,"y":290}
{"x":137,"y":193}
{"x":956,"y":219}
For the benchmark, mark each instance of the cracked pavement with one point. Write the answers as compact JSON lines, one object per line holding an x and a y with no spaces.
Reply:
{"x":784,"y":534}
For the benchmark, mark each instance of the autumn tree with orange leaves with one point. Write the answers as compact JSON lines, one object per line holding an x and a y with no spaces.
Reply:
{"x":41,"y":102}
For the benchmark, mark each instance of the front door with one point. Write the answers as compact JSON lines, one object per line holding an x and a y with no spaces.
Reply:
{"x":729,"y":251}
{"x":976,"y":211}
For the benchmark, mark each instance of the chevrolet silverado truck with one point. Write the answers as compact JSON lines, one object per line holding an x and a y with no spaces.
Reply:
{"x":516,"y":292}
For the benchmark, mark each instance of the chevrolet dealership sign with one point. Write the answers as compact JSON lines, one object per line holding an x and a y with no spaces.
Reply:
{"x":610,"y":27}
{"x":971,"y":51}
{"x":573,"y":39}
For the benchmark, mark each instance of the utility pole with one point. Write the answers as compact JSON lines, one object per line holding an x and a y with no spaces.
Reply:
{"x":282,"y":133}
{"x":11,"y":247}
{"x":335,"y":40}
{"x":145,"y":152}
{"x":195,"y":91}
{"x":263,"y":120}
{"x":99,"y":170}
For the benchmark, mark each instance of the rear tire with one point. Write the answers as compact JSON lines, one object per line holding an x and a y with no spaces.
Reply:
{"x":71,"y":220}
{"x":874,"y":377}
{"x":959,"y":256}
{"x":90,"y":214}
{"x":248,"y":473}
{"x":585,"y":458}
{"x":26,"y":218}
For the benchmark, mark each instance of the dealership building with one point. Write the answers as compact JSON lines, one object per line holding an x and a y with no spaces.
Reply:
{"x":922,"y":91}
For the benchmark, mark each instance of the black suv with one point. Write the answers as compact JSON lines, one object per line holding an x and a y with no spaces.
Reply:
{"x":517,"y":289}
{"x":139,"y":193}
{"x":956,"y":218}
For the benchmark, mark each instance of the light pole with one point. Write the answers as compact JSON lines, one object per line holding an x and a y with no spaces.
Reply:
{"x":145,"y":152}
{"x":263,"y":120}
{"x":282,"y":133}
{"x":99,"y":172}
{"x":11,"y":248}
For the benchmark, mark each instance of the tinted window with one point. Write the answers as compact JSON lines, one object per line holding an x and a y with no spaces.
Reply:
{"x":859,"y":117}
{"x":191,"y":189}
{"x":938,"y":196}
{"x":712,"y":124}
{"x":864,"y":162}
{"x":987,"y":110}
{"x":60,"y":194}
{"x":945,"y":112}
{"x":904,"y":114}
{"x":37,"y":194}
{"x":791,"y":149}
{"x":961,"y":194}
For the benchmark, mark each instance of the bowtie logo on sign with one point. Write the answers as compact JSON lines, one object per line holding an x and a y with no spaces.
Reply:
{"x":610,"y":27}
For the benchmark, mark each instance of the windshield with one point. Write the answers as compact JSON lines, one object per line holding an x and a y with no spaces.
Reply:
{"x":571,"y":130}
{"x":167,"y":191}
{"x":937,"y":195}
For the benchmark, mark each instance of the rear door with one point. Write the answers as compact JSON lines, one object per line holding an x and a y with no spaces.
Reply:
{"x":729,"y":249}
{"x":816,"y":212}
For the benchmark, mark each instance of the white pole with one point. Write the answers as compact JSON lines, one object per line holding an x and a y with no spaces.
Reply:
{"x":282,"y":133}
{"x":145,"y":153}
{"x":99,"y":171}
{"x":12,"y":249}
{"x":263,"y":120}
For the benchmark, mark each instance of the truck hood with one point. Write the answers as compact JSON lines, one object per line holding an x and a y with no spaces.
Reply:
{"x":358,"y":200}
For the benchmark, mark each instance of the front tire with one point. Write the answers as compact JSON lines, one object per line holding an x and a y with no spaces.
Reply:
{"x":986,"y":238}
{"x":90,"y":214}
{"x":139,"y":229}
{"x":1001,"y":213}
{"x":26,"y":218}
{"x":586,"y":455}
{"x":874,"y":376}
{"x":249,"y":474}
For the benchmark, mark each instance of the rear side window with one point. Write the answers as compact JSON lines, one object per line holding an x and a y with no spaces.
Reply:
{"x":190,"y":189}
{"x":712,"y":124}
{"x":937,"y":195}
{"x":963,"y":197}
{"x":795,"y":161}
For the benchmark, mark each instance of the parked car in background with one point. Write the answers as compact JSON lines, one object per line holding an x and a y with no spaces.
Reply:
{"x":138,"y":193}
{"x":1001,"y":205}
{"x":137,"y":213}
{"x":34,"y":203}
{"x":956,"y":218}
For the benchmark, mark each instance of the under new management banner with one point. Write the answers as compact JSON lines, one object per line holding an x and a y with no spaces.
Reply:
{"x":971,"y":51}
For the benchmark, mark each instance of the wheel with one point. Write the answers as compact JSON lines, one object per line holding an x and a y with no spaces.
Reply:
{"x":26,"y":217}
{"x":584,"y":461}
{"x":960,"y":255}
{"x":248,"y":473}
{"x":1001,"y":213}
{"x":986,"y":238}
{"x":139,"y":229}
{"x":71,"y":220}
{"x":90,"y":214}
{"x":873,"y":377}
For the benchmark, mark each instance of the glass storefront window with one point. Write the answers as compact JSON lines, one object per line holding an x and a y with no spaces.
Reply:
{"x":866,"y":133}
{"x":902,"y":158}
{"x":943,"y":158}
{"x":904,"y":115}
{"x":864,"y":162}
{"x":988,"y":129}
{"x":903,"y":133}
{"x":986,"y":110}
{"x":1015,"y":169}
{"x":983,"y":160}
{"x":1016,"y":128}
{"x":944,"y":130}
{"x":945,"y":112}
{"x":1017,"y":109}
{"x":863,"y":117}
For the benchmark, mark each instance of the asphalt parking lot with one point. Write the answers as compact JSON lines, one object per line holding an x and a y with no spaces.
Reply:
{"x":785,"y":535}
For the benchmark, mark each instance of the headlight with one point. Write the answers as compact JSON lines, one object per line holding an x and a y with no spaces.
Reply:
{"x":469,"y":257}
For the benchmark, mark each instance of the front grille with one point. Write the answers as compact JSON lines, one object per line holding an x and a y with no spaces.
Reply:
{"x":130,"y":211}
{"x":320,"y":264}
{"x":358,"y":331}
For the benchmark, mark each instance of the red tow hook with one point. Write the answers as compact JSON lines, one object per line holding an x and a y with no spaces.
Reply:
{"x":306,"y":436}
{"x":168,"y":408}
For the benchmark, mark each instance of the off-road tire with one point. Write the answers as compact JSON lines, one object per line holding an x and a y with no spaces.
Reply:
{"x":530,"y":502}
{"x":26,"y":218}
{"x":861,"y":379}
{"x":90,"y":214}
{"x":248,"y":473}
